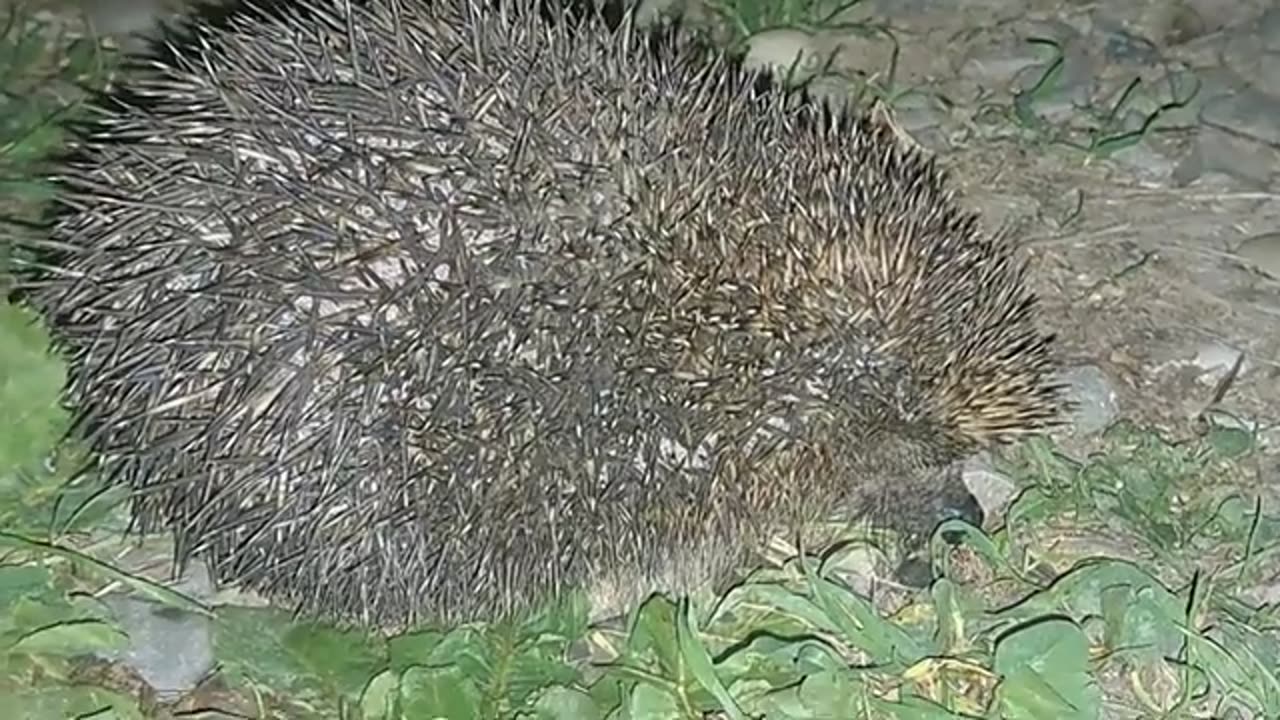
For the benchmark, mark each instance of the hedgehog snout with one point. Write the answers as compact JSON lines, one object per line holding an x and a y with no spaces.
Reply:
{"x":956,"y":502}
{"x":926,"y":497}
{"x":917,"y":485}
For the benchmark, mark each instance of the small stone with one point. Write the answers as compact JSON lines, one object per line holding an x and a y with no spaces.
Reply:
{"x":995,"y":67}
{"x":1096,"y":404}
{"x":993,"y":490}
{"x":1146,"y":162}
{"x":1250,"y":112}
{"x":1266,"y":73}
{"x":786,"y":52}
{"x":917,"y":111}
{"x":652,"y":12}
{"x":1268,"y":28}
{"x":1218,"y":151}
{"x":1263,"y":252}
{"x":1174,"y":23}
{"x":171,"y":649}
{"x":860,"y":567}
{"x":1214,"y":361}
{"x":838,"y":93}
{"x":1122,"y":46}
{"x":1220,"y":14}
{"x":1224,"y":420}
{"x":123,"y":17}
{"x":869,"y":55}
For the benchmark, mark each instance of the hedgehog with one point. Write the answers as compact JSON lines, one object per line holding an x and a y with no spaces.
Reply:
{"x":401,"y":313}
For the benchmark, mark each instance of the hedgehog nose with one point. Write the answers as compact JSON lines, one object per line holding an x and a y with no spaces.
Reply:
{"x":915,"y":571}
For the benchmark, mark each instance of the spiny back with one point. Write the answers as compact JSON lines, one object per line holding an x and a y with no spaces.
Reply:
{"x":425,"y":311}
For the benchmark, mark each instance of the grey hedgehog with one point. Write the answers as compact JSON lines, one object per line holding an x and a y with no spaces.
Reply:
{"x":402,"y":312}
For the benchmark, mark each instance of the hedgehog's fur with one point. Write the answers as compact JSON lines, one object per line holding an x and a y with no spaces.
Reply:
{"x":413,"y":312}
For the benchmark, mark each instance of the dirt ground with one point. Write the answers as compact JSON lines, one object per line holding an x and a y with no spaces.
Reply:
{"x":1143,"y":279}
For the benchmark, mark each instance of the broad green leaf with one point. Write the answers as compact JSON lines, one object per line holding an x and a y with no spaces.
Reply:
{"x":1045,"y":672}
{"x":31,"y":383}
{"x":442,"y":693}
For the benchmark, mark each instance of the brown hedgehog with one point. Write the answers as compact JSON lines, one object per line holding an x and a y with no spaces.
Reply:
{"x":404,"y":312}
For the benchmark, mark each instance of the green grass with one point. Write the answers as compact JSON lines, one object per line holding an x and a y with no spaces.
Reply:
{"x":43,"y":75}
{"x":1144,"y":614}
{"x":1134,"y":112}
{"x":1125,"y":120}
{"x":1013,"y":629}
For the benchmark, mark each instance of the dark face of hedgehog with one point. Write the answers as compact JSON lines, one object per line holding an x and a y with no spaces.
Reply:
{"x":913,"y":495}
{"x":923,"y":498}
{"x":884,"y":449}
{"x":907,"y":485}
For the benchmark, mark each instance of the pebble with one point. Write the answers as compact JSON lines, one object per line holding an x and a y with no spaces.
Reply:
{"x":1147,"y":163}
{"x":918,"y":111}
{"x":652,"y":12}
{"x":1268,"y":28}
{"x":169,"y":648}
{"x":1215,"y":360}
{"x":1096,"y":404}
{"x":1121,"y":45}
{"x":1263,"y":252}
{"x":835,"y":91}
{"x":860,"y":566}
{"x":1250,"y":112}
{"x":123,"y":17}
{"x":784,"y":51}
{"x":995,"y":67}
{"x":992,"y":489}
{"x":1217,"y":150}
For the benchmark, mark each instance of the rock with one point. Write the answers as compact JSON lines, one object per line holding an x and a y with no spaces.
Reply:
{"x":1219,"y":151}
{"x":1250,"y":113}
{"x":869,"y":55}
{"x":123,"y":17}
{"x":171,"y":649}
{"x":652,"y":12}
{"x":1215,"y":360}
{"x":992,"y":489}
{"x":918,"y":111}
{"x":1254,"y":53}
{"x":1262,"y":252}
{"x":996,"y":68}
{"x":1173,"y":23}
{"x":1096,"y":405}
{"x":1268,"y":28}
{"x":860,"y":566}
{"x":785,"y":52}
{"x":1121,"y":45}
{"x":1149,"y":164}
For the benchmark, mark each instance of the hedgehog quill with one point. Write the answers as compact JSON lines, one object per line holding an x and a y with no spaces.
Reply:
{"x":403,"y":312}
